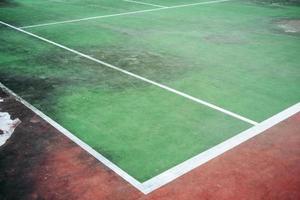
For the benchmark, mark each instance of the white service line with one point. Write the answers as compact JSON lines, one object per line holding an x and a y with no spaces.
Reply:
{"x":149,"y":4}
{"x":122,"y":14}
{"x":237,"y":116}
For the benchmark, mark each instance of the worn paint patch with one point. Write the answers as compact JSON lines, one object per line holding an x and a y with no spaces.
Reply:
{"x":7,"y":127}
{"x":290,"y":26}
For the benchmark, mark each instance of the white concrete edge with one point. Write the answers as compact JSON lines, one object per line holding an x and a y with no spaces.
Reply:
{"x":194,"y":162}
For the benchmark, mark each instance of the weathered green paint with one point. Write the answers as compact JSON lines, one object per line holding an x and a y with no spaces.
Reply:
{"x":232,"y":54}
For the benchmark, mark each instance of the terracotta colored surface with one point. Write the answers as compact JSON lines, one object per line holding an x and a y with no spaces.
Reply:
{"x":40,"y":163}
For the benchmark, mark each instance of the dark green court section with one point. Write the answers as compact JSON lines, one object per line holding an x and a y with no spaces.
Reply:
{"x":238,"y":55}
{"x":143,"y":129}
{"x":30,"y":12}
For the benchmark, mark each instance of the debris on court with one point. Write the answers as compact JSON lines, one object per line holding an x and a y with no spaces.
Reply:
{"x":290,"y":26}
{"x":7,"y":127}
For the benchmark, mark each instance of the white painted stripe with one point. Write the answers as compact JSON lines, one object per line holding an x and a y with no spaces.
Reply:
{"x":190,"y":164}
{"x":210,"y":105}
{"x":122,"y":14}
{"x":179,"y":170}
{"x":149,"y":4}
{"x":79,"y":142}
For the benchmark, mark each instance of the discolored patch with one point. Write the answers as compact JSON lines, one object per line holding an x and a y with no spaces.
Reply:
{"x":289,"y":25}
{"x":8,"y":3}
{"x":35,"y":120}
{"x":34,"y":89}
{"x":277,"y":2}
{"x":163,"y":67}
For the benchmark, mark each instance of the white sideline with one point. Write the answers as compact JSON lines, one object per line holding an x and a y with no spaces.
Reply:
{"x":137,"y":76}
{"x":179,"y":170}
{"x":122,"y":14}
{"x":149,"y":4}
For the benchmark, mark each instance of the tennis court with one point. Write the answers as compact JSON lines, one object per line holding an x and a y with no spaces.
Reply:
{"x":146,"y":85}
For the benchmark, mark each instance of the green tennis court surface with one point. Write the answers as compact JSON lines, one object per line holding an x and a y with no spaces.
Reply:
{"x":242,"y":56}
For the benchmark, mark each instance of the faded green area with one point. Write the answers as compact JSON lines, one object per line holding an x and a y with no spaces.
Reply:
{"x":237,"y":55}
{"x":143,"y":129}
{"x":232,"y":54}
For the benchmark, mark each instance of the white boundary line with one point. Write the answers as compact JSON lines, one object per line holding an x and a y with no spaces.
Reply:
{"x":149,"y":4}
{"x":125,"y":13}
{"x":75,"y":139}
{"x":192,"y":163}
{"x":212,"y":106}
{"x":179,"y":170}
